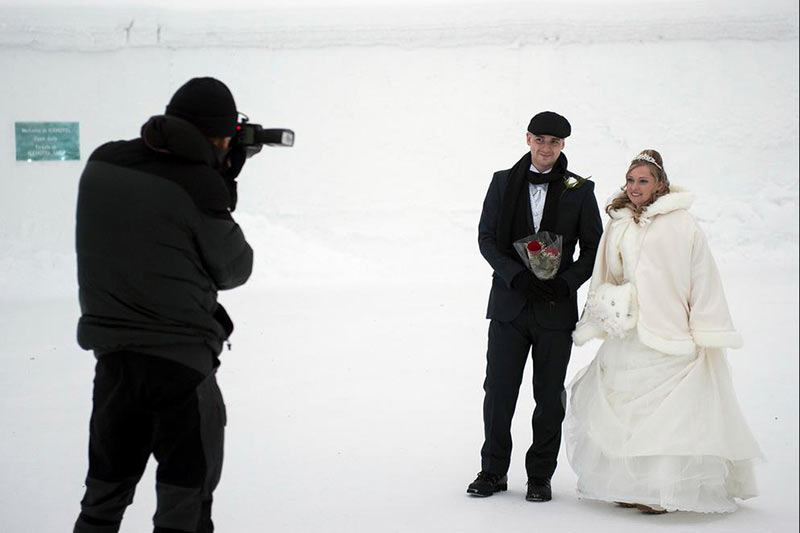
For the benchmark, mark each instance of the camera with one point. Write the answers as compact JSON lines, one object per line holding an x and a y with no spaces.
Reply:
{"x":252,"y":137}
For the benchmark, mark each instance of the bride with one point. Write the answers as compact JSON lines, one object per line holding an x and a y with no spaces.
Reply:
{"x":653,"y":421}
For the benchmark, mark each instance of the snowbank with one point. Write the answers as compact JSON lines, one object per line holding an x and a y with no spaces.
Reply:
{"x":396,"y":144}
{"x":408,"y":26}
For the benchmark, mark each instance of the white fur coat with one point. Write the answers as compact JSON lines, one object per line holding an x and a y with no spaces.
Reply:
{"x":680,"y":296}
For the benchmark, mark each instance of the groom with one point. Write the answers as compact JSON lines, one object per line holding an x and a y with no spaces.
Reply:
{"x":527,"y":314}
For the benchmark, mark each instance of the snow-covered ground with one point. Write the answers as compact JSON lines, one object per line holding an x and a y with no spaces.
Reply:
{"x":354,"y":383}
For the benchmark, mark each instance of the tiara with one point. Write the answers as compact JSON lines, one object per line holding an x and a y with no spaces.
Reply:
{"x":648,"y":158}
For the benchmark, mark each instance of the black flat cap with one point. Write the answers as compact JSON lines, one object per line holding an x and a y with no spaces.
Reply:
{"x":549,"y":123}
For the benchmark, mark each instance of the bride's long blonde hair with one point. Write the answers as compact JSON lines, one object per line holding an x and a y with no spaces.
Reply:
{"x":652,"y":159}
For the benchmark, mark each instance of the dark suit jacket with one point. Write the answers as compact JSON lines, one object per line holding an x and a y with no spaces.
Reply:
{"x":577,"y":220}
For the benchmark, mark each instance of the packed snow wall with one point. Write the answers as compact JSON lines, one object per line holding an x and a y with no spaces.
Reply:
{"x":401,"y":116}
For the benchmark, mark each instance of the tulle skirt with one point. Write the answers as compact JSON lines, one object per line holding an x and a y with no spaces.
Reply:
{"x":647,"y":427}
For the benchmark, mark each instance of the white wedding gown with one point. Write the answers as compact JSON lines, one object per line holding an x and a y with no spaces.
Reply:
{"x":647,"y":427}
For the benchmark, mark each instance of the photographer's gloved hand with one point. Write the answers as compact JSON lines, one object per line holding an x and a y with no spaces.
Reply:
{"x":234,"y":161}
{"x":230,"y":183}
{"x":532,"y":286}
{"x":224,"y":320}
{"x":230,"y":169}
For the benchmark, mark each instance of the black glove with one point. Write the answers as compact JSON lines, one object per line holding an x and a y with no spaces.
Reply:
{"x":559,"y":287}
{"x":527,"y":283}
{"x":231,"y":167}
{"x":233,"y":162}
{"x":230,"y":183}
{"x":222,"y":318}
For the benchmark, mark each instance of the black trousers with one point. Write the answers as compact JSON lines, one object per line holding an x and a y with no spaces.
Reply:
{"x":147,"y":405}
{"x":509,"y":346}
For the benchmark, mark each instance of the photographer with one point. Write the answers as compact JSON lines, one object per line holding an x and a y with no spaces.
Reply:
{"x":155,"y":242}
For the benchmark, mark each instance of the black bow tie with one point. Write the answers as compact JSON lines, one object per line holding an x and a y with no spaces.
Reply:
{"x":538,"y":179}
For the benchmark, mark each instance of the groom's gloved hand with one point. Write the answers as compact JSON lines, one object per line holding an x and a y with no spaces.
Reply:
{"x":559,"y":287}
{"x":527,"y":283}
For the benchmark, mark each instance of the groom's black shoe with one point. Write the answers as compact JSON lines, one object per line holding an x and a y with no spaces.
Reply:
{"x":487,"y":484}
{"x":539,"y":490}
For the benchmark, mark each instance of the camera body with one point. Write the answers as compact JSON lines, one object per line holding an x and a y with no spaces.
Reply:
{"x":252,"y":137}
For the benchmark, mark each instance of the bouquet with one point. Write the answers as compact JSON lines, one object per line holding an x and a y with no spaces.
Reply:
{"x":541,"y":252}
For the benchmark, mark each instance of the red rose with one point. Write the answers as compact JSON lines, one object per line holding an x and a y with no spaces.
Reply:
{"x":551,"y":251}
{"x":534,"y":246}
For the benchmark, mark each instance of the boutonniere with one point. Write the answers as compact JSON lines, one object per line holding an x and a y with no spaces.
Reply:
{"x":573,"y":182}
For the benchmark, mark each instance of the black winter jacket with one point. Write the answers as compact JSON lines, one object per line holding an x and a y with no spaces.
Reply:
{"x":155,"y":242}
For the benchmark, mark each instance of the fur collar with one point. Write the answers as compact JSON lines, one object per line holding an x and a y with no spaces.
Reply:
{"x":678,"y":198}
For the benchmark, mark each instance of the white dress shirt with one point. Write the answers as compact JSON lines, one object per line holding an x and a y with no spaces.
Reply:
{"x":537,"y":194}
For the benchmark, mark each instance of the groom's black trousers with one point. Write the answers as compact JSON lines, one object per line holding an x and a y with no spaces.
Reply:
{"x":509,"y":346}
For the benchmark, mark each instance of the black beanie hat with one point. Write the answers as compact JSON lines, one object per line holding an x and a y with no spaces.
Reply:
{"x":208,"y":104}
{"x":549,"y":123}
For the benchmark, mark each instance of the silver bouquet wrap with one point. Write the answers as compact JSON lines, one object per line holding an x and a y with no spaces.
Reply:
{"x":541,"y":252}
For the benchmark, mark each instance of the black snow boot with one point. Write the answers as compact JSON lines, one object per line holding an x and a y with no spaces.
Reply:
{"x":487,"y":484}
{"x":539,"y":490}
